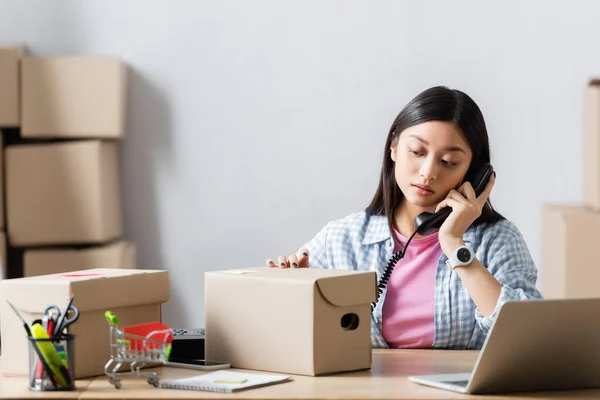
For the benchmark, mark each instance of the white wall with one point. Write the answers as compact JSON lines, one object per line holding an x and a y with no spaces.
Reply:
{"x":252,"y":124}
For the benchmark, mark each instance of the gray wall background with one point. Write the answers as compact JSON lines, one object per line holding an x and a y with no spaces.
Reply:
{"x":253,"y":123}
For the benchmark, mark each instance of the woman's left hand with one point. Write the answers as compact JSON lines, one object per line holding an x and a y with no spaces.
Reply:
{"x":466,"y":208}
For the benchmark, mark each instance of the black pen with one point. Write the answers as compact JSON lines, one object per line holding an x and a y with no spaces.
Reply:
{"x":25,"y":325}
{"x":58,"y":328}
{"x":37,"y":351}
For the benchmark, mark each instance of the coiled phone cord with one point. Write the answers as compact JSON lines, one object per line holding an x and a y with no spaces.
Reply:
{"x":387,"y":273}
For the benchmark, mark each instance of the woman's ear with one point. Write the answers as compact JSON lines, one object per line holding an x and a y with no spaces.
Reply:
{"x":393,"y":149}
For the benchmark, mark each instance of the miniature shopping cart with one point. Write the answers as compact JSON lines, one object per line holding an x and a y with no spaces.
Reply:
{"x":137,"y":350}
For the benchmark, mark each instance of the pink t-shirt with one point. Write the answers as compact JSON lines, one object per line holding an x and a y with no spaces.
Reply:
{"x":408,"y":310}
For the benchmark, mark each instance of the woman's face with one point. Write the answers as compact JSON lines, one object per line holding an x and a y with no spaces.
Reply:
{"x":430,"y":159}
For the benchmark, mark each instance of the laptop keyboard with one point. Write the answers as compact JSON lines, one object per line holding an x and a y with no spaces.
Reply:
{"x":458,"y":383}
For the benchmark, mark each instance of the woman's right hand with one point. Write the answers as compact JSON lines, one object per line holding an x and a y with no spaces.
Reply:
{"x":291,"y":261}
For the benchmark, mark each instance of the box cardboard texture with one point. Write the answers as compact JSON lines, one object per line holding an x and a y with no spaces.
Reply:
{"x":63,"y":193}
{"x":9,"y":86}
{"x":52,"y":261}
{"x":569,"y":252}
{"x":73,"y":97}
{"x":591,"y":149}
{"x":134,"y":296}
{"x":298,"y":321}
{"x":4,"y":267}
{"x":2,"y":183}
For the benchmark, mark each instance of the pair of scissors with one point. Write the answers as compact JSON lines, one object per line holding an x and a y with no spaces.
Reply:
{"x":59,"y":320}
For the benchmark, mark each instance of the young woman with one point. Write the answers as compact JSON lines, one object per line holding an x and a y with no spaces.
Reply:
{"x":450,"y":285}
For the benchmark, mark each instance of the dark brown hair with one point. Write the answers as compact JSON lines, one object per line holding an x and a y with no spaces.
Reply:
{"x":435,"y":104}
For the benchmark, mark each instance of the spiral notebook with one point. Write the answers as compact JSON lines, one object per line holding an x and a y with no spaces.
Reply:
{"x":225,"y":381}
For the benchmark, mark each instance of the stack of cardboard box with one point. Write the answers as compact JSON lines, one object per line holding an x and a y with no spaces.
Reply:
{"x":570,"y":233}
{"x":61,"y":123}
{"x":9,"y":118}
{"x":61,"y":174}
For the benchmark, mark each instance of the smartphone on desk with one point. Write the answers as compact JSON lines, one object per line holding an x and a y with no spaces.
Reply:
{"x":202,"y":365}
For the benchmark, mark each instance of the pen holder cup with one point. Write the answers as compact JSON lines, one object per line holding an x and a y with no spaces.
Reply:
{"x":52,"y":363}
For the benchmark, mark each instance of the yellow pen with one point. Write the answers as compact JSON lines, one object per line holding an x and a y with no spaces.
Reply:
{"x":51,"y":357}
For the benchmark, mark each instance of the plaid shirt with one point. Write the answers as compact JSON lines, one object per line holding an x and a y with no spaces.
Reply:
{"x":364,"y":243}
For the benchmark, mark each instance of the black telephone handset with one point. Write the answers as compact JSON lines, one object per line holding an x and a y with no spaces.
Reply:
{"x":427,"y":222}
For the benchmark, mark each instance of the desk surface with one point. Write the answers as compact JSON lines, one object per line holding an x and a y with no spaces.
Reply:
{"x":387,"y":379}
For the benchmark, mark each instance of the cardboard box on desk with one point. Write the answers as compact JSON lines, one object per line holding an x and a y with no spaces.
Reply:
{"x":73,"y":97}
{"x":298,"y":321}
{"x":52,"y":261}
{"x":2,"y":191}
{"x":3,"y":258}
{"x":591,"y":146}
{"x":570,"y":251}
{"x":134,"y":296}
{"x":63,"y":193}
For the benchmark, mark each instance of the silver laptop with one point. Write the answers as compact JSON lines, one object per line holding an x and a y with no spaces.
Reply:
{"x":534,"y":345}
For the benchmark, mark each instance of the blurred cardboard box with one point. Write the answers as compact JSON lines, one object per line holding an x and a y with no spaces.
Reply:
{"x":63,"y":193}
{"x":298,"y":321}
{"x":9,"y":86}
{"x":53,"y":261}
{"x":73,"y":97}
{"x":591,"y":146}
{"x":569,"y":252}
{"x":3,"y":258}
{"x":2,"y":183}
{"x":4,"y":266}
{"x":134,"y":296}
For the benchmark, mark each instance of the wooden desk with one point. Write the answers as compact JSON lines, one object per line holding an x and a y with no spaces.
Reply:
{"x":387,"y":379}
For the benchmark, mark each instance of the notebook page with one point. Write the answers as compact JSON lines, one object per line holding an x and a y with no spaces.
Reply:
{"x":207,"y":381}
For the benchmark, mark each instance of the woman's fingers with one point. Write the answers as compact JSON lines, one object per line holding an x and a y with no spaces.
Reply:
{"x":456,"y":195}
{"x":441,"y":205}
{"x":292,"y":261}
{"x":282,"y":262}
{"x":468,"y":192}
{"x":448,"y":202}
{"x":453,"y":195}
{"x":303,"y":260}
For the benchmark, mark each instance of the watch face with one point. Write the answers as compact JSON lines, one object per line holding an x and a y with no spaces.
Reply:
{"x":463,"y":255}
